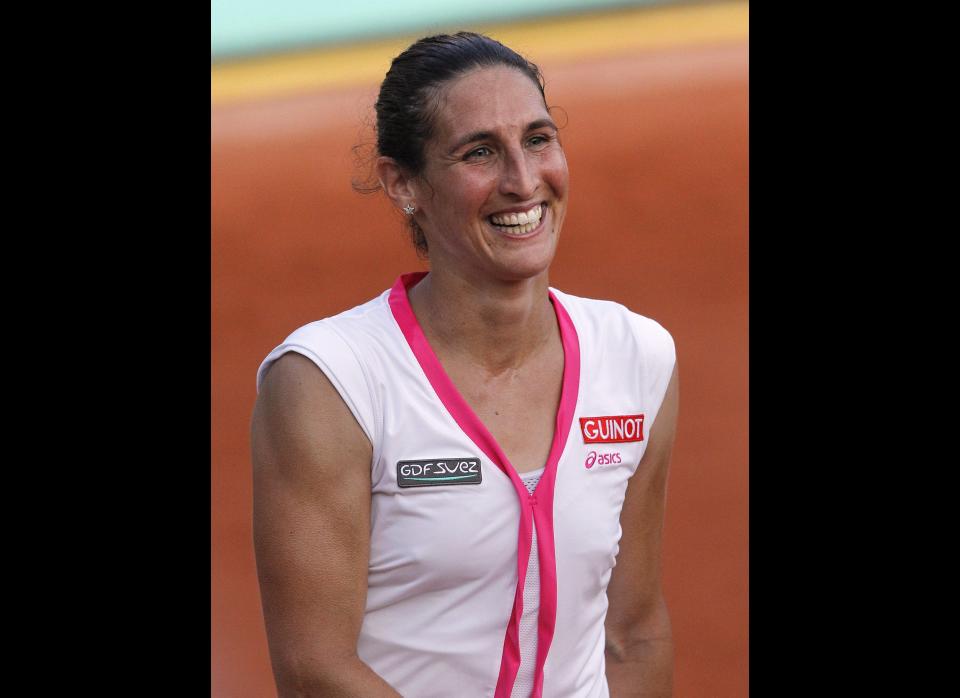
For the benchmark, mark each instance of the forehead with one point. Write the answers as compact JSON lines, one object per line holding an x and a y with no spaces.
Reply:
{"x":491,"y":99}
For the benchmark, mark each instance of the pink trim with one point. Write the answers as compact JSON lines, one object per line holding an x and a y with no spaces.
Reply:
{"x":441,"y":383}
{"x":540,"y":504}
{"x":543,"y":509}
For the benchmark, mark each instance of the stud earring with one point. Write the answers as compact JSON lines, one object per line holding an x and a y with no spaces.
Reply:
{"x":409,"y":209}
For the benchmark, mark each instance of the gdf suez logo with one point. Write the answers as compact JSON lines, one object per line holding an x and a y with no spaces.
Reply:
{"x":594,"y":458}
{"x":433,"y":472}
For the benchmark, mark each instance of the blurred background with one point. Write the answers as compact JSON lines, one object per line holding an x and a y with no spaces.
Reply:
{"x":652,"y":100}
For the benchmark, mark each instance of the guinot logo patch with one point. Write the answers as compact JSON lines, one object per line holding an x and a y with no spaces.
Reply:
{"x":612,"y":429}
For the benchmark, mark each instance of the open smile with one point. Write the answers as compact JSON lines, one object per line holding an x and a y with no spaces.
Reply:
{"x":521,"y":223}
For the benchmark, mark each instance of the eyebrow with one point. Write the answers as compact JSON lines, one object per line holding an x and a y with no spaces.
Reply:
{"x":484,"y":135}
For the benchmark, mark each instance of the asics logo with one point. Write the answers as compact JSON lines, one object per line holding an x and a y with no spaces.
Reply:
{"x":594,"y":458}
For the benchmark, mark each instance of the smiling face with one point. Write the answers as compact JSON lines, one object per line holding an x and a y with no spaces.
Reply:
{"x":493,"y":194}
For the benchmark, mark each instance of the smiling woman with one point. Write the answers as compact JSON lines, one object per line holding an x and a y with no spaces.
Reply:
{"x":494,"y":157}
{"x":435,"y":511}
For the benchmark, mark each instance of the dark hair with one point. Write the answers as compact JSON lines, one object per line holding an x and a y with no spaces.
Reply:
{"x":408,"y":100}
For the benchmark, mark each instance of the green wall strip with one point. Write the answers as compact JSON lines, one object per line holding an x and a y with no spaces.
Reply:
{"x":242,"y":28}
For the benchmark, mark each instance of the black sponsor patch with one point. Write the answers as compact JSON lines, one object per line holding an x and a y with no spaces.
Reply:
{"x":431,"y":472}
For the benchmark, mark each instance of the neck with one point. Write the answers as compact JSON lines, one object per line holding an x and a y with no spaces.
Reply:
{"x":495,"y":325}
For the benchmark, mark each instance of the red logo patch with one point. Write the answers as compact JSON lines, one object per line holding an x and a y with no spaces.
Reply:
{"x":612,"y":429}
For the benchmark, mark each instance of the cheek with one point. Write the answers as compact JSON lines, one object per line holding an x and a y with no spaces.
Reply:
{"x":555,"y":173}
{"x":467,"y":189}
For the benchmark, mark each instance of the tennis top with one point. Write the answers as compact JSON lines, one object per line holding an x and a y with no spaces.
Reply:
{"x":451,"y":521}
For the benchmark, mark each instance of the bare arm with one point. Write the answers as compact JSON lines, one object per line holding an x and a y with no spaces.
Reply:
{"x":311,"y":527}
{"x":639,"y":652}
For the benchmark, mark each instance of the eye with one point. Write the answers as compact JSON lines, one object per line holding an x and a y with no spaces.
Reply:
{"x":539,"y":140}
{"x":481,"y":152}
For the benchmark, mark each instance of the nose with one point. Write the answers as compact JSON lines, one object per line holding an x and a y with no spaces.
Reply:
{"x":519,"y":175}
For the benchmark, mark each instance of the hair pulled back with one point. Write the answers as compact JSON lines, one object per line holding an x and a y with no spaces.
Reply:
{"x":409,"y":95}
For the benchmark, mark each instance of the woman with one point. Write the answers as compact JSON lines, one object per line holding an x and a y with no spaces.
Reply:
{"x":438,"y":508}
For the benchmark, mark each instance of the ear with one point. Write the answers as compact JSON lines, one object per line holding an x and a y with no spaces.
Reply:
{"x":398,"y":185}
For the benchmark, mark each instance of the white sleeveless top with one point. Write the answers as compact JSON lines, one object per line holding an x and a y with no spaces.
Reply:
{"x":452,"y":523}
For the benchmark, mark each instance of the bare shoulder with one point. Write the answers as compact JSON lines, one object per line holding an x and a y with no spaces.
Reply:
{"x":311,"y":504}
{"x":635,"y":591}
{"x":299,"y":409}
{"x":303,"y":440}
{"x":639,"y":650}
{"x":665,"y":426}
{"x":294,"y":383}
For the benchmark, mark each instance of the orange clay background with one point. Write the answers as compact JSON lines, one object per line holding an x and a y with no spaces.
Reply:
{"x":656,"y":143}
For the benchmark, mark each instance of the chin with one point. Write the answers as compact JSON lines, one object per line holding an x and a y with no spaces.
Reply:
{"x":533,"y":261}
{"x":524,"y":266}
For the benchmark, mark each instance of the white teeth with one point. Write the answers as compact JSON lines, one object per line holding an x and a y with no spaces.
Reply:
{"x":522,"y":218}
{"x":522,"y":229}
